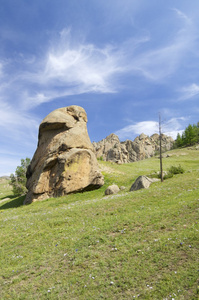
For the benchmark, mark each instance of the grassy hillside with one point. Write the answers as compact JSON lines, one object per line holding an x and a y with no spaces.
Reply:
{"x":133,"y":245}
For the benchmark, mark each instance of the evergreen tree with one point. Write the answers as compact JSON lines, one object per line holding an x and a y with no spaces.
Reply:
{"x":179,"y":142}
{"x":18,"y":180}
{"x":190,"y":135}
{"x":183,"y":139}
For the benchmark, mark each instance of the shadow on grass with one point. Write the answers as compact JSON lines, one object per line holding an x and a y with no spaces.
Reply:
{"x":13,"y":203}
{"x":7,"y":197}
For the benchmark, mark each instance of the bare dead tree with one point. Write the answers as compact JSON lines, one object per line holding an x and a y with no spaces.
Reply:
{"x":160,"y":137}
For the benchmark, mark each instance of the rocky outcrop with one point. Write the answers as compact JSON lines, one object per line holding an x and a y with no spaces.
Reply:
{"x":64,"y":161}
{"x":143,"y":146}
{"x":142,"y":182}
{"x":110,"y":149}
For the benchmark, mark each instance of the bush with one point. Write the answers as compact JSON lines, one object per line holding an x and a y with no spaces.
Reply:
{"x":18,"y":180}
{"x":168,"y":174}
{"x":101,"y":158}
{"x":176,"y":170}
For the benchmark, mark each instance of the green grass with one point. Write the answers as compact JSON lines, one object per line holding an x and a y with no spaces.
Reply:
{"x":133,"y":245}
{"x":5,"y":189}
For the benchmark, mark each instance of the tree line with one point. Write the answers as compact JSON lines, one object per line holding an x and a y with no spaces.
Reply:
{"x":189,"y":137}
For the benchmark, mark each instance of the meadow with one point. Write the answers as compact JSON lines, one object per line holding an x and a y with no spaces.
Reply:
{"x":132,"y":245}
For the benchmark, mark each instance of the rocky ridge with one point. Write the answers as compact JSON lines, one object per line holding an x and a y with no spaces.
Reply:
{"x":143,"y":146}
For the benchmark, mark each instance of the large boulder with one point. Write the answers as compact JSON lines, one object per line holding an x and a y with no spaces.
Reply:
{"x":142,"y":182}
{"x":64,"y":161}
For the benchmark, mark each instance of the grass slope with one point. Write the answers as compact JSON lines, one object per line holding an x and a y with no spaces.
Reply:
{"x":133,"y":245}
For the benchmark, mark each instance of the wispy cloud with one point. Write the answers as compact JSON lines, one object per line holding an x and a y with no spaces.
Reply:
{"x":189,"y":91}
{"x":72,"y":66}
{"x":170,"y":128}
{"x":181,"y":15}
{"x":17,"y":125}
{"x":161,"y":62}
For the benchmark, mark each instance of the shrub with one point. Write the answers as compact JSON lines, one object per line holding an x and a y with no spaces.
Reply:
{"x":168,"y":174}
{"x":176,"y":170}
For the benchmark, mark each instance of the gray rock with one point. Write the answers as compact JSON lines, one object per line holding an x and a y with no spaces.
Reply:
{"x":142,"y":182}
{"x":112,"y":189}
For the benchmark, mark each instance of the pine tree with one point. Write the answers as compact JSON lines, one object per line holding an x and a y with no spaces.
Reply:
{"x":179,"y":142}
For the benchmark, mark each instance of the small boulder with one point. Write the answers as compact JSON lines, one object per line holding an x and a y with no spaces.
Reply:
{"x":142,"y":182}
{"x":112,"y":189}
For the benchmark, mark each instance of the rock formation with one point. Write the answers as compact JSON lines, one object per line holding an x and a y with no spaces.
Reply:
{"x":64,"y":161}
{"x":111,"y":149}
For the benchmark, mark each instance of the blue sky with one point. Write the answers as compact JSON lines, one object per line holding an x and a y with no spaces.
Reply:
{"x":123,"y":61}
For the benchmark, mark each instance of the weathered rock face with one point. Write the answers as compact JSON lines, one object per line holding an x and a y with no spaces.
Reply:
{"x":110,"y":148}
{"x":64,"y":161}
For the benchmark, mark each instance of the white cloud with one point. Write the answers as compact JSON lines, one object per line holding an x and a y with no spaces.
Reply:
{"x":174,"y":133}
{"x":171,"y":128}
{"x":129,"y":132}
{"x":72,"y":69}
{"x":85,"y":65}
{"x":72,"y":66}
